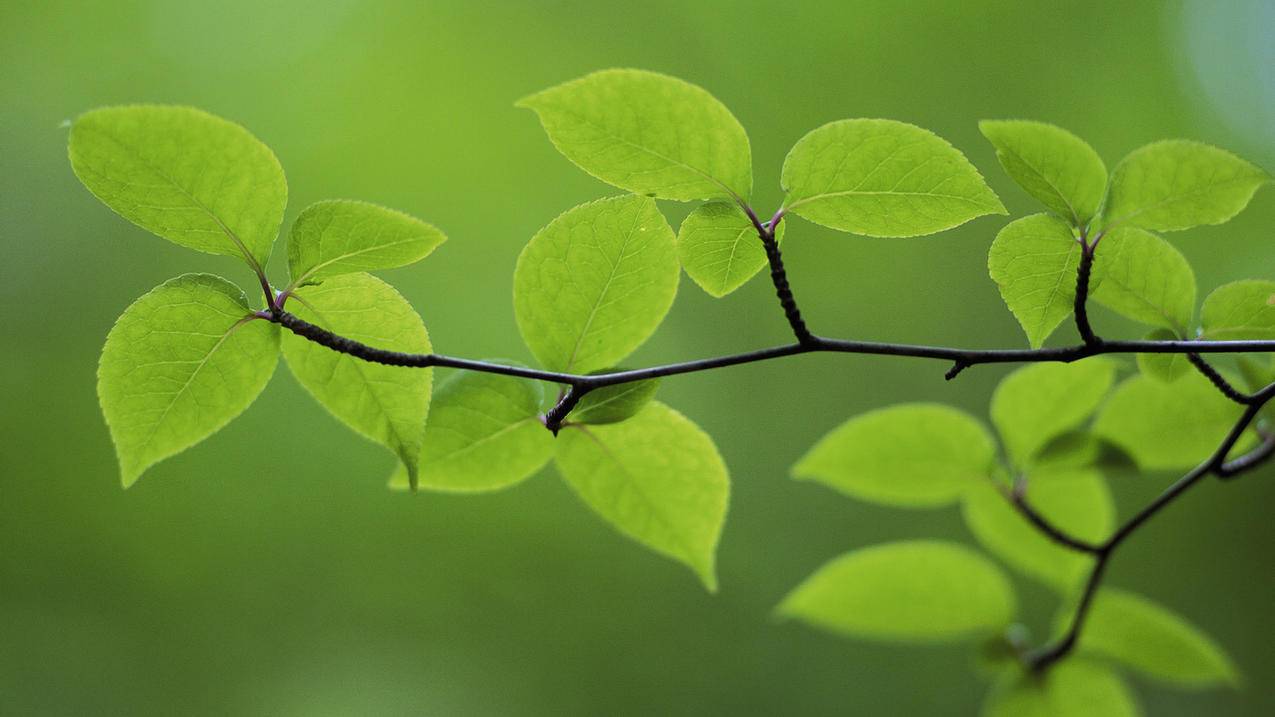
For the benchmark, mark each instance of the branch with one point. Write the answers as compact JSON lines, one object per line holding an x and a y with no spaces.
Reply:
{"x":1080,"y":309}
{"x":1216,"y":464}
{"x":1217,"y":379}
{"x":1018,"y":498}
{"x":779,"y":275}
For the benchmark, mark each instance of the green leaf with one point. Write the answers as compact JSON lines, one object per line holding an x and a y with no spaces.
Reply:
{"x":185,"y":175}
{"x":1073,"y":449}
{"x":1177,"y":184}
{"x":1142,"y":277}
{"x":1257,"y":373}
{"x":1071,"y":688}
{"x":1039,"y":402}
{"x":340,"y":236}
{"x":1136,"y":632}
{"x":656,"y":478}
{"x":179,"y":364}
{"x":913,"y":455}
{"x":612,"y":404}
{"x":719,"y":247}
{"x":483,"y":434}
{"x":1166,"y":426}
{"x":1033,"y":262}
{"x":1240,"y":310}
{"x":594,"y":284}
{"x":387,"y":404}
{"x":648,"y":133}
{"x":914,"y":591}
{"x":1165,"y":368}
{"x":883,"y":178}
{"x":1076,"y":501}
{"x":1055,"y":166}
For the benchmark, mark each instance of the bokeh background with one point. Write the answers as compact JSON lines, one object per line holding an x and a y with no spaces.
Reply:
{"x":269,"y":572}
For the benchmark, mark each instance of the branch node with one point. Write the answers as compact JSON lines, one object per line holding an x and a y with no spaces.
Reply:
{"x":957,"y":368}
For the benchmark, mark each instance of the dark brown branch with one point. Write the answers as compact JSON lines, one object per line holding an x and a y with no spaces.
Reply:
{"x":1218,"y":381}
{"x":1081,"y":306}
{"x":1018,"y":498}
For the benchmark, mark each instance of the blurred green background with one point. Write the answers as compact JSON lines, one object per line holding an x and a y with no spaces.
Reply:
{"x":269,"y":572}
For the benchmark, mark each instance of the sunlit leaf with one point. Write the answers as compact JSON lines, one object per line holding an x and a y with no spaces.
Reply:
{"x":484,"y":433}
{"x":912,"y":455}
{"x":179,"y":364}
{"x":1166,"y":368}
{"x":1155,"y":641}
{"x":1071,"y":688}
{"x":915,"y":591}
{"x":656,"y":478}
{"x":1076,"y":502}
{"x":1178,"y":184}
{"x":1039,"y":402}
{"x":1240,"y":310}
{"x":594,"y":284}
{"x":1166,"y":426}
{"x":387,"y":404}
{"x":612,"y":404}
{"x":1033,"y":262}
{"x":1053,"y":165}
{"x":648,"y":133}
{"x":340,"y":236}
{"x":183,"y":174}
{"x":719,"y":247}
{"x":1142,"y":277}
{"x":883,"y":178}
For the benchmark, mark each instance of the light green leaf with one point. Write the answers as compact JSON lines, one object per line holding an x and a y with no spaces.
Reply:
{"x":1258,"y":373}
{"x":185,"y":175}
{"x":1071,"y":688}
{"x":179,"y":364}
{"x":1142,"y":277}
{"x":1136,"y":632}
{"x":719,"y":247}
{"x":913,"y":455}
{"x":1039,"y":402}
{"x":656,"y":478}
{"x":1076,"y":501}
{"x":883,"y":178}
{"x":1055,"y":166}
{"x":1033,"y":261}
{"x":1166,"y":426}
{"x":387,"y":404}
{"x":339,"y":236}
{"x":483,"y":434}
{"x":594,"y":284}
{"x":612,"y":404}
{"x":1165,"y":368}
{"x":648,"y":133}
{"x":1240,"y":310}
{"x":1178,"y":184}
{"x":914,"y":591}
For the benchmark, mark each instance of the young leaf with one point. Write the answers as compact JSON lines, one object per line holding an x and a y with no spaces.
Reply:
{"x":594,"y":284}
{"x":648,"y":133}
{"x":612,"y":404}
{"x":883,"y":178}
{"x":1076,"y":501}
{"x":1166,"y":426}
{"x":180,"y":363}
{"x":340,"y":236}
{"x":1177,"y":184}
{"x":657,"y":478}
{"x":1037,"y":403}
{"x":483,"y":434}
{"x":184,"y":175}
{"x":1136,"y":632}
{"x":387,"y":404}
{"x":1240,"y":310}
{"x":1165,"y":368}
{"x":1033,"y":262}
{"x":914,"y":591}
{"x":1070,"y":689}
{"x":719,"y":248}
{"x":1142,"y":277}
{"x":913,"y":455}
{"x":1053,"y":165}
